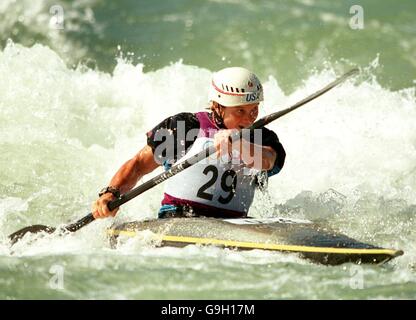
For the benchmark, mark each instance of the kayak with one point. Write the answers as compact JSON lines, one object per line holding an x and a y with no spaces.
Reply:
{"x":305,"y":238}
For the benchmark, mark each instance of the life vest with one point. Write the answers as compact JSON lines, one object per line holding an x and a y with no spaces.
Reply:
{"x":213,"y":184}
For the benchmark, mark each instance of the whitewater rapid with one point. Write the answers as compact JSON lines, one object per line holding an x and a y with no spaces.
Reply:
{"x":65,"y":131}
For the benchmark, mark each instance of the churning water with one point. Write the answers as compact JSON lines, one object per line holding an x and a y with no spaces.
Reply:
{"x":75,"y":103}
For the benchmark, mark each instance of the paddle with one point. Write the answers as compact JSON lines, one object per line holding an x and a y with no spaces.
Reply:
{"x":176,"y":168}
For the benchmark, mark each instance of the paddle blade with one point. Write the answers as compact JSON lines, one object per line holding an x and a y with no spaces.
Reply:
{"x":14,"y":237}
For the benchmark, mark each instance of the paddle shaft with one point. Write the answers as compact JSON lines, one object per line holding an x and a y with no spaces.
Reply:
{"x":202,"y":155}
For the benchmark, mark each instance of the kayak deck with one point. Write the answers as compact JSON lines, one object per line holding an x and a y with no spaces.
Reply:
{"x":303,"y":237}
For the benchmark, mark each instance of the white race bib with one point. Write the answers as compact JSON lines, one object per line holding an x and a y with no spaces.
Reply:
{"x":218,"y":183}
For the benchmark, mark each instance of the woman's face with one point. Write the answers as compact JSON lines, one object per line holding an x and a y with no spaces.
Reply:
{"x":240,"y":117}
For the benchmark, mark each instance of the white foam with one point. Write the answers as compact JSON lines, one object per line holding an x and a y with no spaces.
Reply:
{"x":67,"y":131}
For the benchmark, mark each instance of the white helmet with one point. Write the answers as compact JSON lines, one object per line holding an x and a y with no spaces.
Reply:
{"x":235,"y":86}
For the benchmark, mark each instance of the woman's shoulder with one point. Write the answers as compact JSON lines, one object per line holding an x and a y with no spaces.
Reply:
{"x":190,"y":119}
{"x":269,"y":134}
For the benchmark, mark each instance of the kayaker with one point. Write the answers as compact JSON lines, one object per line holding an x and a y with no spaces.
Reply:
{"x":222,"y":186}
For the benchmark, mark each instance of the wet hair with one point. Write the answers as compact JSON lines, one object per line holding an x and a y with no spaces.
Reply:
{"x":216,"y":108}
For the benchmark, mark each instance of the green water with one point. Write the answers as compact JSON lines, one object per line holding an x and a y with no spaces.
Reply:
{"x":75,"y":103}
{"x":287,"y":39}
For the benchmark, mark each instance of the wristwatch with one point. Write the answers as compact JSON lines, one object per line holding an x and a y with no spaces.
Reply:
{"x":110,"y":189}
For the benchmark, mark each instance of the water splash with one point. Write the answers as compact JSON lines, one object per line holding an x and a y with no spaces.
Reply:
{"x":65,"y":131}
